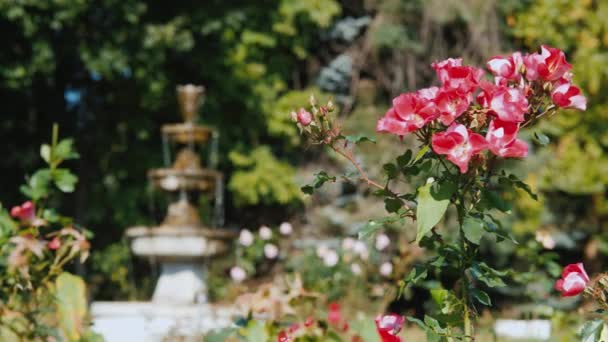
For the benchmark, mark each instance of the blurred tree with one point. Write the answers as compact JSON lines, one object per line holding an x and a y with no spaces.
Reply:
{"x":576,"y":179}
{"x":106,"y":72}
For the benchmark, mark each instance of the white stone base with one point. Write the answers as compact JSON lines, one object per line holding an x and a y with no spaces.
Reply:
{"x":153,"y":322}
{"x":180,"y":283}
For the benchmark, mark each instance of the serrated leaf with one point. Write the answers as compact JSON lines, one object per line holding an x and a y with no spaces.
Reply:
{"x":488,"y":275}
{"x":432,"y":204}
{"x":473,"y":229}
{"x":320,"y":179}
{"x":481,"y":297}
{"x":592,"y":331}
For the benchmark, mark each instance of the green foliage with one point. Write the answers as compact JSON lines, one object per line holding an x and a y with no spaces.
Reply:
{"x":320,"y":179}
{"x":593,"y":331}
{"x":42,"y":300}
{"x":262,"y":179}
{"x":433,"y":200}
{"x":107,"y":71}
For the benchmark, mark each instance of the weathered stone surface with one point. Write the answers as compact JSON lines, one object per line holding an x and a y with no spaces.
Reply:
{"x":152,"y":322}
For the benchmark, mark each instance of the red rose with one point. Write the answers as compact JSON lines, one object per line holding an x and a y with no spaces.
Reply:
{"x":454,"y":75}
{"x":451,"y":104}
{"x":566,"y":95}
{"x":410,"y":112}
{"x":502,"y":139}
{"x":459,"y":144}
{"x":549,"y":65}
{"x":574,"y":280}
{"x":509,"y":104}
{"x":506,"y":67}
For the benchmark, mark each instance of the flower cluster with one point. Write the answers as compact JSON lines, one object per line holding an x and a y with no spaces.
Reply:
{"x":388,"y":326}
{"x":469,"y":114}
{"x":252,"y":250}
{"x":66,"y":242}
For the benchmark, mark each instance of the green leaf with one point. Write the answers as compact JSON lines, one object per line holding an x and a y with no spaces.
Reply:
{"x":71,"y":305}
{"x":486,"y":274}
{"x":481,"y":297}
{"x":494,"y":200}
{"x":417,"y":274}
{"x":494,"y":226}
{"x":369,"y":230}
{"x":256,"y":332}
{"x":393,"y":205}
{"x":523,"y":186}
{"x":64,"y":151}
{"x":432,"y":204}
{"x":38,"y":185}
{"x":45,"y":153}
{"x":64,"y":179}
{"x":473,"y":229}
{"x":404,"y":159}
{"x":391,"y":170}
{"x":592,"y":331}
{"x":439,"y":296}
{"x":320,"y":179}
{"x":357,"y":139}
{"x":542,"y":138}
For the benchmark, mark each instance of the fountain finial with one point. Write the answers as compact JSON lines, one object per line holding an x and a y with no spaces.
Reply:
{"x":190,"y":98}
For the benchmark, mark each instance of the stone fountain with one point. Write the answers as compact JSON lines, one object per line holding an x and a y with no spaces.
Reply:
{"x":182,"y":243}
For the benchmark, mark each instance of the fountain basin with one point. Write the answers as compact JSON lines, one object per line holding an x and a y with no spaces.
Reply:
{"x":181,"y":252}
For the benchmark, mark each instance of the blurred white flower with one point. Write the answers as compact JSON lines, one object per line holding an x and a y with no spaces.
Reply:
{"x":361,"y":249}
{"x":286,"y":228}
{"x":271,"y":251}
{"x":238,"y":274}
{"x":544,"y":238}
{"x":265,"y":233}
{"x":348,"y":243}
{"x":321,"y":251}
{"x":382,"y":241}
{"x":386,"y":269}
{"x":330,"y":258}
{"x":355,"y":268}
{"x":246,"y":238}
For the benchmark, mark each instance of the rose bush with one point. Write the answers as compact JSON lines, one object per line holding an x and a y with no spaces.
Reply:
{"x":39,"y":301}
{"x":464,"y":129}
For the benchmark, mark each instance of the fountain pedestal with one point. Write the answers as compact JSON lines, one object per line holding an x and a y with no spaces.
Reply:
{"x":181,"y":244}
{"x":181,"y":253}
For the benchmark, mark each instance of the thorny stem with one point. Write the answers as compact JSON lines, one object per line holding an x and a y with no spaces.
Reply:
{"x":362,"y":174}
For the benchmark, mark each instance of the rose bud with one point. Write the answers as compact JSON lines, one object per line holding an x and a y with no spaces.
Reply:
{"x":304,"y":117}
{"x":574,"y":280}
{"x":54,"y":244}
